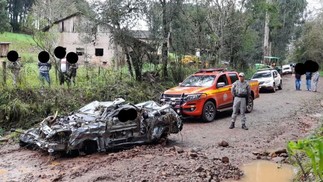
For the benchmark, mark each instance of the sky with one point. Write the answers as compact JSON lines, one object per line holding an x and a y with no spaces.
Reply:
{"x":314,"y":4}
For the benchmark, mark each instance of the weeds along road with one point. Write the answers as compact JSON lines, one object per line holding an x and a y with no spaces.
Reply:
{"x":190,"y":156}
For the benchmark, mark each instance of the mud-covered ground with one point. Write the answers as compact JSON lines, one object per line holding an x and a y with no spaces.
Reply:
{"x":192,"y":155}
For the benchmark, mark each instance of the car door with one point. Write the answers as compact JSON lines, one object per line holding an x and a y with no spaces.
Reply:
{"x":223,"y":95}
{"x":276,"y":78}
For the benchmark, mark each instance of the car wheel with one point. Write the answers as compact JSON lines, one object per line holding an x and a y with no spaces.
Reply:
{"x":274,"y":88}
{"x":22,"y":143}
{"x":209,"y":111}
{"x":280,"y":87}
{"x":249,"y":107}
{"x":89,"y":147}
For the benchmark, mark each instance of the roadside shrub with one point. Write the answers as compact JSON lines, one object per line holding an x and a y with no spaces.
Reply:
{"x":179,"y":72}
{"x":308,"y":155}
{"x":14,"y":110}
{"x":1,"y":132}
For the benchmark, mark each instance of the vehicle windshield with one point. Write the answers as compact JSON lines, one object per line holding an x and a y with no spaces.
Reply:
{"x":261,"y":75}
{"x":198,"y":81}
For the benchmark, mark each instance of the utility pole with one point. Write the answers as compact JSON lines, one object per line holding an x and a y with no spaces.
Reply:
{"x":267,"y":44}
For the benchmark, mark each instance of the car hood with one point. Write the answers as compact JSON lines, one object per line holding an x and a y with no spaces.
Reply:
{"x":186,"y":90}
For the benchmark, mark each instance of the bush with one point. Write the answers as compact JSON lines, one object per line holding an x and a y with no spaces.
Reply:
{"x":179,"y":72}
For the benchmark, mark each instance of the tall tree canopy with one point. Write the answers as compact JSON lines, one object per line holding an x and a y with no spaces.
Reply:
{"x":310,"y":44}
{"x":4,"y":20}
{"x":18,"y":13}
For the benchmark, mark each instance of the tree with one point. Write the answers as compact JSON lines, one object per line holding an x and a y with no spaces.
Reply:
{"x":18,"y":12}
{"x":170,"y":10}
{"x":46,"y":12}
{"x":310,"y":44}
{"x":286,"y":16}
{"x":43,"y":15}
{"x":4,"y":21}
{"x":121,"y":17}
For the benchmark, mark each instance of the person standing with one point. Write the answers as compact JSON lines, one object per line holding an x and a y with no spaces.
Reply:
{"x":63,"y":74}
{"x":15,"y":70}
{"x":308,"y":80}
{"x":315,"y":80}
{"x":298,"y":81}
{"x":44,"y":72}
{"x":72,"y":72}
{"x":240,"y":91}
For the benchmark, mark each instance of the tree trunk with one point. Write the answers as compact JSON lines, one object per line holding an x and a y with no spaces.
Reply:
{"x":165,"y":40}
{"x":4,"y":72}
{"x":136,"y":61}
{"x":267,"y":51}
{"x":126,"y":52}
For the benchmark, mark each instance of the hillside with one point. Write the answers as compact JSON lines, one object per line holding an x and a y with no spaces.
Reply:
{"x":22,"y":43}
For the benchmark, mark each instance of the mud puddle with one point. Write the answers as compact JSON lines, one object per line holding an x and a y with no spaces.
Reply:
{"x":265,"y":171}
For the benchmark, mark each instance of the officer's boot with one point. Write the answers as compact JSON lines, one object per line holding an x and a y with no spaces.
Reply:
{"x":232,"y":125}
{"x":244,"y":127}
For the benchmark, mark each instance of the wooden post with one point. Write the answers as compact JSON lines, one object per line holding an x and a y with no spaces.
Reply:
{"x":4,"y":72}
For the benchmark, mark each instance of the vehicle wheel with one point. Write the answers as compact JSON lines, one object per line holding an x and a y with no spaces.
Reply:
{"x":89,"y":147}
{"x":274,"y":88}
{"x":209,"y":111}
{"x":22,"y":144}
{"x":73,"y":153}
{"x":249,"y":107}
{"x":280,"y":87}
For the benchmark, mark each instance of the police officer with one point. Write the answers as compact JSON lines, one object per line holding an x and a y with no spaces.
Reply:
{"x":240,"y":91}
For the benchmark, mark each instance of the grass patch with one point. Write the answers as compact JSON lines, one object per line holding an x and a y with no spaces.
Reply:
{"x":22,"y":43}
{"x":26,"y":104}
{"x":307,"y":154}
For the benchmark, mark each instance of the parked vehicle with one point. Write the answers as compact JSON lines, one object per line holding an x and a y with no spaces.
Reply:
{"x":268,"y":79}
{"x":287,"y":69}
{"x":205,"y":93}
{"x":99,"y":126}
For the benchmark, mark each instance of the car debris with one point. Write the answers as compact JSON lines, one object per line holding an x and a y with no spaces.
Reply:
{"x":99,"y":126}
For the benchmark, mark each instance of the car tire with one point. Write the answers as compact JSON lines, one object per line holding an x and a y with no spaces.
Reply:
{"x":280,"y":87}
{"x":209,"y":111}
{"x":89,"y":147}
{"x":22,"y":143}
{"x":249,"y":107}
{"x":274,"y":88}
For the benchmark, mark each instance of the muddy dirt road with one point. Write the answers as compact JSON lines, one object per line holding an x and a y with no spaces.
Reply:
{"x":194,"y":155}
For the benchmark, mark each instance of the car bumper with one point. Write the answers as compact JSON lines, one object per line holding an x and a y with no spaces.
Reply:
{"x":266,"y":86}
{"x":287,"y":72}
{"x":188,"y":109}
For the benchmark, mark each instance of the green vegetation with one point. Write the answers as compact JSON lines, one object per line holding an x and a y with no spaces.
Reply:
{"x":308,"y":155}
{"x":26,"y":104}
{"x":22,"y":43}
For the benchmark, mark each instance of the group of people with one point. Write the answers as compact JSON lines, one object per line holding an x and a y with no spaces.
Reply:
{"x":311,"y":81}
{"x":67,"y":72}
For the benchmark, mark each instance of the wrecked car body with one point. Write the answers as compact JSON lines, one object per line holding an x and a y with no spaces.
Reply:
{"x":100,"y":126}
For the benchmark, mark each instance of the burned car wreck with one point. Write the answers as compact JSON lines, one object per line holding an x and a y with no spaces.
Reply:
{"x":100,"y":126}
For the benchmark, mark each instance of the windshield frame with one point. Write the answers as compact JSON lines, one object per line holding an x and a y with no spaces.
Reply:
{"x":261,"y":75}
{"x":201,"y":82}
